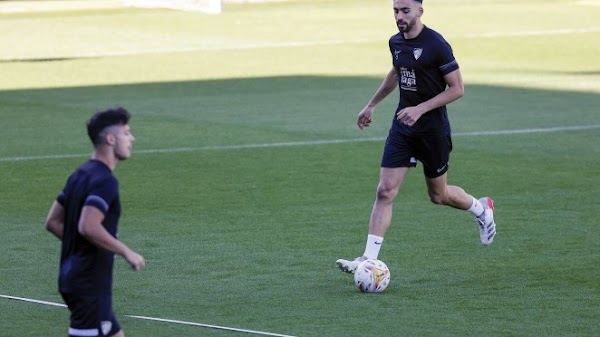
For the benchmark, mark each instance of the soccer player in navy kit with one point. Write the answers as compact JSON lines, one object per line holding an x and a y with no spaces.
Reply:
{"x":84,"y":217}
{"x":428,"y":78}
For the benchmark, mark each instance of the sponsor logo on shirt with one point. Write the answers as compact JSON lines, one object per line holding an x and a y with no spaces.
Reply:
{"x":408,"y":79}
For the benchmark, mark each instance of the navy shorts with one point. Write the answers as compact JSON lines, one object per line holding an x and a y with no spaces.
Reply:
{"x":433,"y":151}
{"x":91,"y":315}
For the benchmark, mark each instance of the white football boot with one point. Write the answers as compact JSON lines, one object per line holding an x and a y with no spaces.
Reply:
{"x":487,"y":226}
{"x":349,"y":266}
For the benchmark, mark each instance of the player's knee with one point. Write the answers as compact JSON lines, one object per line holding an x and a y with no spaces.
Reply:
{"x":386,"y":194}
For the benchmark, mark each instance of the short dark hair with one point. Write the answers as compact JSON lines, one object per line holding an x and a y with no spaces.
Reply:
{"x":103,"y":119}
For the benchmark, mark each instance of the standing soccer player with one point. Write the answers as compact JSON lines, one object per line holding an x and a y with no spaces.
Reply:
{"x":84,"y":217}
{"x":428,"y":78}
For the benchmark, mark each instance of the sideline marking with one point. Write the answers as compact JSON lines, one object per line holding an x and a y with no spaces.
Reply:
{"x":303,"y":143}
{"x":142,"y":51}
{"x":255,"y":332}
{"x":54,"y":304}
{"x":530,"y":33}
{"x":208,"y":326}
{"x":312,"y":142}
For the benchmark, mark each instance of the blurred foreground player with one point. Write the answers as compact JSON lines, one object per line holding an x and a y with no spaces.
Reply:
{"x":85,"y":217}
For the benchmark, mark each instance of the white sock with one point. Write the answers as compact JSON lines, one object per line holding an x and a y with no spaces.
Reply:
{"x":476,"y":208}
{"x":373,"y":246}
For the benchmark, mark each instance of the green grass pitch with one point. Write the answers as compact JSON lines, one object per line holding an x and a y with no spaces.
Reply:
{"x":250,"y":178}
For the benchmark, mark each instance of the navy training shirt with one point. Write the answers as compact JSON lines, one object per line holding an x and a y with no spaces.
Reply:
{"x":421,"y":64}
{"x":84,"y":267}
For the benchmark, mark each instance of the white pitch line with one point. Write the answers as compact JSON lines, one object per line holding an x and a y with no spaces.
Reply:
{"x":209,"y":326}
{"x":565,"y":31}
{"x":255,"y":332}
{"x":54,"y":304}
{"x":293,"y":44}
{"x":525,"y":131}
{"x":306,"y":143}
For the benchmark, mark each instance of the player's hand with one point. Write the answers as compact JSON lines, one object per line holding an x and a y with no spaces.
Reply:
{"x":409,"y":116}
{"x":364,"y":118}
{"x":135,"y":260}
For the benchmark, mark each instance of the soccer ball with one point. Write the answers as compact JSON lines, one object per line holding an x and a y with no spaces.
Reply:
{"x":372,"y":276}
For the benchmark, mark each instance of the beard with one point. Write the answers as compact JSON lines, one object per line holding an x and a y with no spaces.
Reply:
{"x":409,"y":26}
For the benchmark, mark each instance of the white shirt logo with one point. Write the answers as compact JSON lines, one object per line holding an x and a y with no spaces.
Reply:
{"x":105,"y":326}
{"x":408,"y":79}
{"x":417,"y":52}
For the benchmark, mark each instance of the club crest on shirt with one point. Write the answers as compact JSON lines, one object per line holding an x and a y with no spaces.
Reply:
{"x":105,"y":326}
{"x":417,"y":52}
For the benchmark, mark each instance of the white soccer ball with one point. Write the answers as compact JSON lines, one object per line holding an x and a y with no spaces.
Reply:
{"x":372,"y":276}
